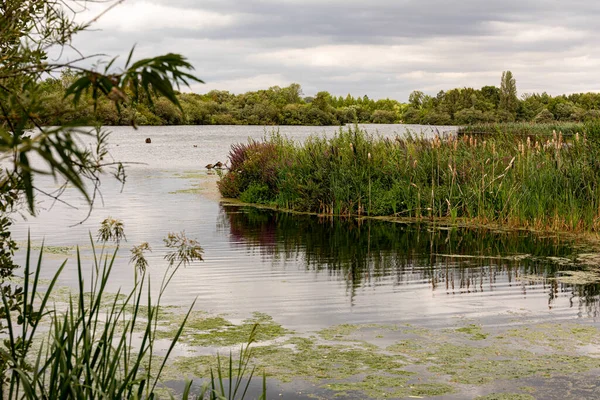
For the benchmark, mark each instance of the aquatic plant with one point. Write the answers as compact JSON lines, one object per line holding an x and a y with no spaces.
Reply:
{"x":549,"y":183}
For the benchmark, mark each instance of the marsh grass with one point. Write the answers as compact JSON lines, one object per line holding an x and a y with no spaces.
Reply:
{"x":546,"y":183}
{"x":568,"y":129}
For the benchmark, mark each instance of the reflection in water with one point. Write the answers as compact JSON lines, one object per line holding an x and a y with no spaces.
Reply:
{"x":451,"y":261}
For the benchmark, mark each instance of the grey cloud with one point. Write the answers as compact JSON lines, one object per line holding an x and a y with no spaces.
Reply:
{"x":549,"y":44}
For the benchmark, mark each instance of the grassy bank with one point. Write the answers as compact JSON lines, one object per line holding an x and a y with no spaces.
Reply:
{"x":550,"y":183}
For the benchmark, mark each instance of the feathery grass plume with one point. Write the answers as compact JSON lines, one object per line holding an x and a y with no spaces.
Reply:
{"x":182,"y":249}
{"x":111,"y":229}
{"x":138,"y":258}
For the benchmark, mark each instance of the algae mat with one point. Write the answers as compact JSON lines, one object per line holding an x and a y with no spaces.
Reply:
{"x":467,"y":360}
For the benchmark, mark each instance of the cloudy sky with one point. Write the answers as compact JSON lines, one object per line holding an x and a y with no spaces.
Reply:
{"x":379,"y":48}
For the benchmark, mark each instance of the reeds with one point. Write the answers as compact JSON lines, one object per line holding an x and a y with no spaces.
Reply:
{"x":538,"y":182}
{"x":96,"y":345}
{"x":524,"y":129}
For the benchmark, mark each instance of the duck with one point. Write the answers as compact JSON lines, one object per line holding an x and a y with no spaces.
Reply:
{"x":195,"y":145}
{"x":218,"y":165}
{"x":210,"y":166}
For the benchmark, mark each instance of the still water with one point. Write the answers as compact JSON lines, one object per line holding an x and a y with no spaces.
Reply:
{"x":306,"y":272}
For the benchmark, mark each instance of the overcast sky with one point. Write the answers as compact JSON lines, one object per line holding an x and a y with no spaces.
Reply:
{"x":379,"y":48}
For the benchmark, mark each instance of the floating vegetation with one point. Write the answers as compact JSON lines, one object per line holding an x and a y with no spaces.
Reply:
{"x":57,"y":250}
{"x":201,"y":183}
{"x":506,"y":396}
{"x":421,"y":362}
{"x":578,"y":277}
{"x":474,"y":331}
{"x":592,"y":259}
{"x":344,"y":331}
{"x":204,"y":330}
{"x":392,"y":387}
{"x":194,"y":189}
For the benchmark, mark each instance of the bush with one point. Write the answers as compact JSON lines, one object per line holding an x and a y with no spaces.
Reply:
{"x":258,"y":193}
{"x":437,"y":118}
{"x":544,"y":116}
{"x":469,"y":116}
{"x":384,"y":117}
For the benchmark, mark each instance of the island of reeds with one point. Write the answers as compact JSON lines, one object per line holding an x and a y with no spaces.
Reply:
{"x":543,"y":181}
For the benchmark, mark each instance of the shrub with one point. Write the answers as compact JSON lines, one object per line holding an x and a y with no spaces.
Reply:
{"x":544,"y":116}
{"x":258,"y":193}
{"x":384,"y":117}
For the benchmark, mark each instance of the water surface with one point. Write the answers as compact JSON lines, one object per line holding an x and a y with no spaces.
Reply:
{"x":306,"y":272}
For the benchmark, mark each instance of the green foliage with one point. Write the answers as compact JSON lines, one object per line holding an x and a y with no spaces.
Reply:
{"x":544,"y":116}
{"x":29,"y":29}
{"x":274,"y":106}
{"x":510,"y":178}
{"x":508,"y":93}
{"x":256,"y":193}
{"x":97,"y":345}
{"x":539,"y":130}
{"x":286,"y":106}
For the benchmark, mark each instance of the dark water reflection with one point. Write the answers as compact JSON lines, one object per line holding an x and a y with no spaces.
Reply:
{"x":481,"y":265}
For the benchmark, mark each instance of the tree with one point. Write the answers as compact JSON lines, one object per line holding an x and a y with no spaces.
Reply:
{"x":508,"y":93}
{"x":544,"y":116}
{"x":415,"y":99}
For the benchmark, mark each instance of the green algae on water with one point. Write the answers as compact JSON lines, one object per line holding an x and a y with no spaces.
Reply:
{"x":215,"y":331}
{"x":506,"y":396}
{"x":474,"y":331}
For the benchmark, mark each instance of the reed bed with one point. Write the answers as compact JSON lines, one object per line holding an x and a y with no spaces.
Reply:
{"x":546,"y":183}
{"x":568,"y":129}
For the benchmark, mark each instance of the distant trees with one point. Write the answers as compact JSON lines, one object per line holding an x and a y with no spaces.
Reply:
{"x":273,"y":106}
{"x":288,"y":106}
{"x":463,"y":106}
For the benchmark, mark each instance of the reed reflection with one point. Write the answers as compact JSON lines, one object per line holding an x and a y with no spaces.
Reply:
{"x":453,"y":261}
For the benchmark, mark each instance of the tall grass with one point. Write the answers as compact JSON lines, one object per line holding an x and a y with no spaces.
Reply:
{"x":568,"y":129}
{"x":542,"y":183}
{"x":97,"y":346}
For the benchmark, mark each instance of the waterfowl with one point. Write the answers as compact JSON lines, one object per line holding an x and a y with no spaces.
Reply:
{"x":219,"y":165}
{"x":209,"y":166}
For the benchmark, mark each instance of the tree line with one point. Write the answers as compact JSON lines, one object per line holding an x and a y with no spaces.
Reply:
{"x":289,"y":106}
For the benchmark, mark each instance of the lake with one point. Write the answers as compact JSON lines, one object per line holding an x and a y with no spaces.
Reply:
{"x":310,"y":273}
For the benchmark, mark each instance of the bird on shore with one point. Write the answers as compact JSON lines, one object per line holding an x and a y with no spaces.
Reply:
{"x":218,"y":165}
